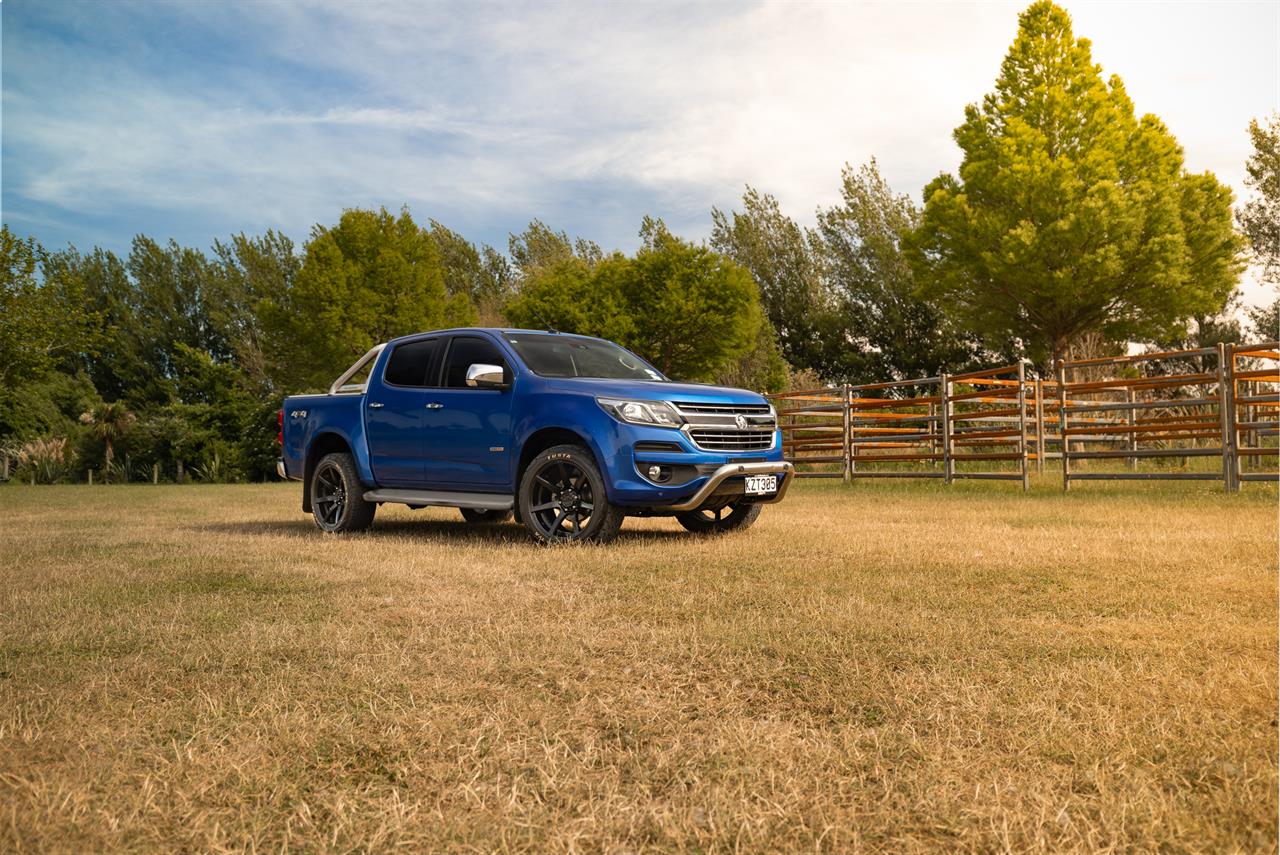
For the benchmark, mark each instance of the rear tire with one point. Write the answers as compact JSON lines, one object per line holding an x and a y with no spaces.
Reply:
{"x":727,"y":518}
{"x":562,"y":498}
{"x":337,"y":496}
{"x":480,"y":516}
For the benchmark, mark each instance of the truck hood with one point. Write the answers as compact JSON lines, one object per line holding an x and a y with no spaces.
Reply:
{"x":653,"y":390}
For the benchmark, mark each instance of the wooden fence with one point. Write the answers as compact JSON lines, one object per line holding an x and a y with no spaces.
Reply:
{"x":1140,"y":417}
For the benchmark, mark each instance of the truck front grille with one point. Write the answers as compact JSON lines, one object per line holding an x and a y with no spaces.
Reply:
{"x":718,"y":439}
{"x":692,"y":409}
{"x":728,"y":426}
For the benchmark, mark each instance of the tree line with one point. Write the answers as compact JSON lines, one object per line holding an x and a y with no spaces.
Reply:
{"x":1071,"y":226}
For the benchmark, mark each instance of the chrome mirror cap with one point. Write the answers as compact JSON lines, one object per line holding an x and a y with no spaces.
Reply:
{"x":481,"y":375}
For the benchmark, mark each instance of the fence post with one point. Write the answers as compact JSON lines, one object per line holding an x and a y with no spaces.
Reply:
{"x":944,"y":388}
{"x":1227,"y":401}
{"x":934,"y":432}
{"x":1062,"y":425}
{"x":1039,"y":425}
{"x":90,"y":477}
{"x":1224,"y":417}
{"x":847,"y":445}
{"x":1022,"y":423}
{"x":1131,"y":421}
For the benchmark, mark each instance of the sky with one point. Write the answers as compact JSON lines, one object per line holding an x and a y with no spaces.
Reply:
{"x":198,"y":119}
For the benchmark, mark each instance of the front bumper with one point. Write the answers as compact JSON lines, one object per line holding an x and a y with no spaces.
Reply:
{"x":736,"y":470}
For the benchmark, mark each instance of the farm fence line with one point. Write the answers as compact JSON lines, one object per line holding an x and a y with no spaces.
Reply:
{"x":1141,"y":417}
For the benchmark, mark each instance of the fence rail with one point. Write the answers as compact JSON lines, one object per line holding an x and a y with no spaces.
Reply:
{"x":999,"y":423}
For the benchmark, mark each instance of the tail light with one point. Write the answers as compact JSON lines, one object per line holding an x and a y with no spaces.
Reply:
{"x":280,"y":425}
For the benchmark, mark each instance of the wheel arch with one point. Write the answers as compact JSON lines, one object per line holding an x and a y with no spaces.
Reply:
{"x":549,"y":437}
{"x":324,"y":443}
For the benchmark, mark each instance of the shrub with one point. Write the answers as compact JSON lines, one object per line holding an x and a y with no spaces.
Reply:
{"x":46,"y":461}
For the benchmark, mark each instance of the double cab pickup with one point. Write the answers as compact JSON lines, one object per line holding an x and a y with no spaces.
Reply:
{"x":570,"y":433}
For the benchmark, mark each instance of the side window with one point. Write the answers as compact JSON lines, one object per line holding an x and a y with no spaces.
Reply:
{"x":465,"y":352}
{"x":410,"y":362}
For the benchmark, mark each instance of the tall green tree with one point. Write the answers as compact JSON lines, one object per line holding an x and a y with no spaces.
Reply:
{"x":27,"y":332}
{"x":1069,"y":213}
{"x":539,"y":245}
{"x":787,"y":265}
{"x":44,"y":321}
{"x":254,"y":270}
{"x":687,"y":309}
{"x":1260,"y":217}
{"x":118,"y":368}
{"x":483,"y":274}
{"x":371,"y":277}
{"x":901,"y":335}
{"x":180,"y":300}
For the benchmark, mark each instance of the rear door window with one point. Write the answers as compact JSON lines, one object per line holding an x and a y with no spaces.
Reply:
{"x":410,"y":363}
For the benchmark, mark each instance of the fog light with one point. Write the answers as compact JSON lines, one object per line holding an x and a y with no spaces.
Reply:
{"x":659,"y":473}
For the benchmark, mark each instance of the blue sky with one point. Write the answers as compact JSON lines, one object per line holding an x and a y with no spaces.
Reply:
{"x":196,"y":120}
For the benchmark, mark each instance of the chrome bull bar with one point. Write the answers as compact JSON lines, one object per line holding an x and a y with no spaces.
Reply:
{"x":733,"y":470}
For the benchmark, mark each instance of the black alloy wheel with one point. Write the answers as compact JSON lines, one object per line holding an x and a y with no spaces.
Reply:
{"x":562,"y":498}
{"x":337,"y":497}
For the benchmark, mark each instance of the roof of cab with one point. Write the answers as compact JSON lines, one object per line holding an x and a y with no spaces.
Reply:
{"x":500,"y":331}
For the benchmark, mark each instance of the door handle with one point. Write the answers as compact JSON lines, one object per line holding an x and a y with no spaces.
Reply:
{"x":435,"y":405}
{"x":374,"y":405}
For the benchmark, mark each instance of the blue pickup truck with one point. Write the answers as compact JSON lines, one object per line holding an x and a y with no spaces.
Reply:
{"x":569,"y":432}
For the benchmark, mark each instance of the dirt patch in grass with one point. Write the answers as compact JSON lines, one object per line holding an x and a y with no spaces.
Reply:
{"x":885,"y":667}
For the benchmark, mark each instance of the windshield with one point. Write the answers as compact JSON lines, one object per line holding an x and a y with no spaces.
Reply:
{"x":563,"y":356}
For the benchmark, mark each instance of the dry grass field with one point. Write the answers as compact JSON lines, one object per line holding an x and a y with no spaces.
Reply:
{"x":871,"y":668}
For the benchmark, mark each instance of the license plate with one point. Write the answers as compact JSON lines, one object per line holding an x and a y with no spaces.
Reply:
{"x":760,"y":484}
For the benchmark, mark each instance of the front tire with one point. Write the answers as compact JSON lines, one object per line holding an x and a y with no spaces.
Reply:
{"x":480,"y":516}
{"x":337,"y":496}
{"x":562,"y":498}
{"x":726,"y":518}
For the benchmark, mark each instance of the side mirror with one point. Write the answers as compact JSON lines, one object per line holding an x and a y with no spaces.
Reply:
{"x":481,"y":376}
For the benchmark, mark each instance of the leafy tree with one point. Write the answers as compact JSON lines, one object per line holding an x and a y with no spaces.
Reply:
{"x":48,"y":406}
{"x":26,"y":332}
{"x":253,"y":271}
{"x":483,"y":274}
{"x":1069,"y":213}
{"x":688,"y":310}
{"x":371,"y":277}
{"x":762,"y":367}
{"x":786,"y":264}
{"x":569,"y":295}
{"x":901,"y":335}
{"x":117,"y":366}
{"x":1260,"y":217}
{"x":692,"y":309}
{"x":41,"y":322}
{"x":539,"y":245}
{"x":1264,"y":321}
{"x":180,"y":299}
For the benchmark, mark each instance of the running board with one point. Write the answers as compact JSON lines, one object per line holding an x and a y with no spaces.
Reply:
{"x":442,"y":498}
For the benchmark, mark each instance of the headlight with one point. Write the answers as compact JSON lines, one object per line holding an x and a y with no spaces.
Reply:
{"x":657,"y":413}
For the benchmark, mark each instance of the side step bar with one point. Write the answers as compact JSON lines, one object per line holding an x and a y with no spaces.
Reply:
{"x":442,"y":498}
